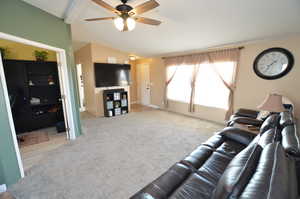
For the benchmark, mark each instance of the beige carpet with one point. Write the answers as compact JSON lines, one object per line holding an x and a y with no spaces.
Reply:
{"x":115,"y":157}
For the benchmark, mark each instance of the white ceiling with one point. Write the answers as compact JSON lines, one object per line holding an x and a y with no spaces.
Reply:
{"x":187,"y":24}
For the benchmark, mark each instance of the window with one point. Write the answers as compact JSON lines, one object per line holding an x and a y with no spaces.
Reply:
{"x":209,"y":88}
{"x":179,"y":88}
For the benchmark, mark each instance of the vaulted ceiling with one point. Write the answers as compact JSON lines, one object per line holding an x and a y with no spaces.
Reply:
{"x":187,"y":24}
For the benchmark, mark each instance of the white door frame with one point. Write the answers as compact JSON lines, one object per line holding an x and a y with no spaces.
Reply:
{"x":62,"y":63}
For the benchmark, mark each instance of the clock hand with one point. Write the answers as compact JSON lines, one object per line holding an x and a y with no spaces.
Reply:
{"x":271,"y":64}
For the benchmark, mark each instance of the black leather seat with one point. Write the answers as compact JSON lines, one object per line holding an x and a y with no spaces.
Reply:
{"x":235,"y":163}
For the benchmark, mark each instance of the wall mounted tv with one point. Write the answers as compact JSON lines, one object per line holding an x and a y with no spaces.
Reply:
{"x":112,"y":74}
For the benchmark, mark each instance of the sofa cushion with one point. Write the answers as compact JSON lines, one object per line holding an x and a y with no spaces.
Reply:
{"x":271,"y":178}
{"x":164,"y":185}
{"x":238,"y":173}
{"x":197,"y":158}
{"x":286,"y":119}
{"x":230,"y":148}
{"x":290,"y":140}
{"x":194,"y":187}
{"x":239,"y":135}
{"x":215,"y":141}
{"x":214,"y":167}
{"x":269,"y":123}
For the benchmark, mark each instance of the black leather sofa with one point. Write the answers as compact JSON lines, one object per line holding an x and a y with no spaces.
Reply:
{"x":236,"y":163}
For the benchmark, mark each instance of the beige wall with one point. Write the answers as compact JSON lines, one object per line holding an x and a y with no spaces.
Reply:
{"x":96,"y":53}
{"x":84,"y":56}
{"x":21,"y":51}
{"x":250,"y":91}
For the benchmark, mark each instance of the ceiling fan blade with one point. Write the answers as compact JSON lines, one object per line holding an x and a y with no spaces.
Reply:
{"x":149,"y":5}
{"x":106,"y":6}
{"x":100,"y":19}
{"x":148,"y":21}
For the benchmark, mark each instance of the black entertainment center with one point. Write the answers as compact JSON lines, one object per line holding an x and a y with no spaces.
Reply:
{"x":115,"y":101}
{"x":34,"y":93}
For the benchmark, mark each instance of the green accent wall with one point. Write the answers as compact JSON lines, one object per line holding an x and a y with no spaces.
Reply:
{"x":23,"y":20}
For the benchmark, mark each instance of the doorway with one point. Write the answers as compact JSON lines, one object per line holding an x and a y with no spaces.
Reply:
{"x":64,"y":87}
{"x":144,"y":84}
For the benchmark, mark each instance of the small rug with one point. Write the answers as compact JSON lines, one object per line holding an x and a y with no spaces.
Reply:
{"x":33,"y":138}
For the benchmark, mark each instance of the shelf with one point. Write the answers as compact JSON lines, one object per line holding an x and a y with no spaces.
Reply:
{"x":45,"y":104}
{"x":36,"y":86}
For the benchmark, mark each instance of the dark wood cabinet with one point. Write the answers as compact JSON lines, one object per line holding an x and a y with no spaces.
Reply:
{"x":34,"y":94}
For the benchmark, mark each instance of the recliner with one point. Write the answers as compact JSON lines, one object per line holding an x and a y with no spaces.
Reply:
{"x":234,"y":163}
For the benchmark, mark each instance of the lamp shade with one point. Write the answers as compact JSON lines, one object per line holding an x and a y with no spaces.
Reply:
{"x":272,"y":103}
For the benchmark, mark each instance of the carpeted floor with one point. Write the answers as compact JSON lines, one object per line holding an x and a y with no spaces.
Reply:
{"x":115,"y":157}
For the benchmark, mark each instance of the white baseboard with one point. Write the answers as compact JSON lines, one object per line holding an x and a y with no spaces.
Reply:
{"x":82,"y":109}
{"x":3,"y":188}
{"x":153,"y":106}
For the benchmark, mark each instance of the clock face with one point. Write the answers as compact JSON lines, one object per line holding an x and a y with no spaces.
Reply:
{"x":273,"y":63}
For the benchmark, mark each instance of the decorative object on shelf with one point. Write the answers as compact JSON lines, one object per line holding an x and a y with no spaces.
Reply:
{"x":117,"y":96}
{"x":35,"y":101}
{"x":118,"y":111}
{"x":110,"y":104}
{"x":41,"y":55}
{"x":273,"y":63}
{"x":127,"y":15}
{"x":31,"y":83}
{"x":110,"y":113}
{"x":4,"y":52}
{"x":50,"y":80}
{"x":272,"y":103}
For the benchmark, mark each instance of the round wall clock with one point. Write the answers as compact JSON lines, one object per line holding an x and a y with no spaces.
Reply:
{"x":273,"y":63}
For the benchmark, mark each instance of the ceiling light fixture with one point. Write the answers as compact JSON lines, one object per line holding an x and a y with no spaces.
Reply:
{"x":124,"y":23}
{"x":127,"y":16}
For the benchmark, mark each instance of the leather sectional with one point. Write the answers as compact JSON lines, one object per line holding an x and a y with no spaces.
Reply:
{"x":235,"y":163}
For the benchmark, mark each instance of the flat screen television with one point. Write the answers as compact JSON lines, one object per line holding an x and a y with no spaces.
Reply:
{"x":112,"y":74}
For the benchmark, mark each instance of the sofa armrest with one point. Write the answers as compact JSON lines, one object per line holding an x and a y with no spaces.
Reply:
{"x":246,"y":121}
{"x":247,"y":113}
{"x":291,"y":140}
{"x":239,"y":135}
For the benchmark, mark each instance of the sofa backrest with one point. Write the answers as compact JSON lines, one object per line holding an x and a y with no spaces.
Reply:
{"x":274,"y":177}
{"x":286,"y":119}
{"x":238,"y":173}
{"x":256,"y":172}
{"x":290,"y":140}
{"x":271,"y":122}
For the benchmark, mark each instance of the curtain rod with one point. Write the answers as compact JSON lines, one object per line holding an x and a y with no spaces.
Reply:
{"x":240,"y":48}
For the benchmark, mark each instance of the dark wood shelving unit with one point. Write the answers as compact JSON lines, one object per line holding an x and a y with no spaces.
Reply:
{"x":115,"y":102}
{"x":29,"y":80}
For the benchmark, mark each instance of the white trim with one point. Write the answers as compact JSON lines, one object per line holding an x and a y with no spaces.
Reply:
{"x":62,"y":60}
{"x":3,"y":188}
{"x":82,"y":109}
{"x":153,"y":106}
{"x":10,"y":118}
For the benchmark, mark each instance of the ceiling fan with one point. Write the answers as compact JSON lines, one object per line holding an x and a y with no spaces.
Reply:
{"x":127,"y":15}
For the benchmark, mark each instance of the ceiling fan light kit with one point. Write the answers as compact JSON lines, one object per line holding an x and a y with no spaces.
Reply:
{"x":127,"y":16}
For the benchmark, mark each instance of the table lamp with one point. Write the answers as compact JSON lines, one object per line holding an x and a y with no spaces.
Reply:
{"x":272,"y":103}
